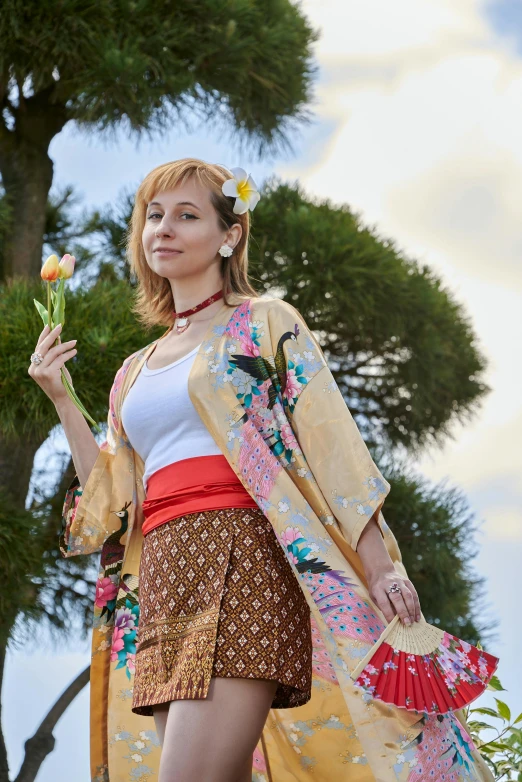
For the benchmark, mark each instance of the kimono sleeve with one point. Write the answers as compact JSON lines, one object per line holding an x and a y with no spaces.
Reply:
{"x":332,"y":444}
{"x":86,"y":510}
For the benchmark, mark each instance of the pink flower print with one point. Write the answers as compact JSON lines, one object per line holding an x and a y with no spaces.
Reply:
{"x":105,"y":590}
{"x":292,"y":385}
{"x":483,"y":668}
{"x":117,"y":643}
{"x":290,"y":534}
{"x":131,"y":664}
{"x":258,"y":762}
{"x":288,"y":437}
{"x":465,"y":645}
{"x":463,"y":657}
{"x":445,"y":640}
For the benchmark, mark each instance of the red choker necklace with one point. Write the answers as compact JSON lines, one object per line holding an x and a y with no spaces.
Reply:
{"x":183,"y":321}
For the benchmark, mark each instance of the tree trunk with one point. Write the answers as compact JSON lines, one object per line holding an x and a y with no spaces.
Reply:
{"x":27,"y":177}
{"x":16,"y":465}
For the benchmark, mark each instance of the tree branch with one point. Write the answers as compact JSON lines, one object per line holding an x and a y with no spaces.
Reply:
{"x":42,"y":742}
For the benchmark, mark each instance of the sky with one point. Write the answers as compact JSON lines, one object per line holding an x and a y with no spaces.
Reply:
{"x":417,"y":126}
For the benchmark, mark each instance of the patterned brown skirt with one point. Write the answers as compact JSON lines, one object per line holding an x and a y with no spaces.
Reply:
{"x":218,"y":598}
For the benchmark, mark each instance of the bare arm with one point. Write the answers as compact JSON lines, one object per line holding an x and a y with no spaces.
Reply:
{"x":84,"y":448}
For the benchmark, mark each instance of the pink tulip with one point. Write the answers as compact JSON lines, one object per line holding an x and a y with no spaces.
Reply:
{"x":67,"y":266}
{"x":51,"y":269}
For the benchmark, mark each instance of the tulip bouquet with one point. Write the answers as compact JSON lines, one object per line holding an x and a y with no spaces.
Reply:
{"x":53,"y":270}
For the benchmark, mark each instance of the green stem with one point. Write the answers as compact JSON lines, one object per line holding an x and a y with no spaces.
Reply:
{"x":71,"y":393}
{"x":49,"y":305}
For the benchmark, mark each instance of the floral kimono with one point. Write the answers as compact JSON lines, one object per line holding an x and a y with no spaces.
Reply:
{"x":261,"y":385}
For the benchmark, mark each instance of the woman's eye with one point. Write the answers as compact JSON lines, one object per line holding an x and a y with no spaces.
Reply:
{"x":156,"y":214}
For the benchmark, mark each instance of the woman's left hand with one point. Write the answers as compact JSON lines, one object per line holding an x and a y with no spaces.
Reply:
{"x":404,"y":603}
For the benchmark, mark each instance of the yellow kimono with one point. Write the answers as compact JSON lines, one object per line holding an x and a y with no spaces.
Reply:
{"x":261,"y":385}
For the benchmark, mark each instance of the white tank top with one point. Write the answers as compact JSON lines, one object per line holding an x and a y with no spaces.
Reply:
{"x":162,"y":424}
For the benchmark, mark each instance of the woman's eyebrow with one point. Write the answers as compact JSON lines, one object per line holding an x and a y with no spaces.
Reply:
{"x":180,"y":203}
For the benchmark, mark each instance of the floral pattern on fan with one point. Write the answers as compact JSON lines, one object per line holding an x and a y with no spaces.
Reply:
{"x":446,"y":679}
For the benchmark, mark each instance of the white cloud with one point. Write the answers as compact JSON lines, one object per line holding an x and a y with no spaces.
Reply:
{"x":425,"y":101}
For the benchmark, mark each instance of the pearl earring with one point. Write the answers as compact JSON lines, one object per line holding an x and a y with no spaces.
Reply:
{"x":225,"y":250}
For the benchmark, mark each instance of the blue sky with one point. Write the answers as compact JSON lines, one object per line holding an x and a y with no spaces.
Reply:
{"x":505,"y":16}
{"x":417,"y":127}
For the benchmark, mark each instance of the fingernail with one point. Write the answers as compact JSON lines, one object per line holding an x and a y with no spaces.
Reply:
{"x":407,"y":621}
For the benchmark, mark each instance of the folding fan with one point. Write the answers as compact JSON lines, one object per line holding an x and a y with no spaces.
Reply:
{"x":421,"y":667}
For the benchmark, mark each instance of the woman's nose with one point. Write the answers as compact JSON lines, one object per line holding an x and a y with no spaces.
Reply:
{"x":164,"y":228}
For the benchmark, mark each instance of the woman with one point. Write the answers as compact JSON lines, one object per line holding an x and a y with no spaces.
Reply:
{"x":234,"y":488}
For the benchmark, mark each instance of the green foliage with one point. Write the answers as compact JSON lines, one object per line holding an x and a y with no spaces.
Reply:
{"x":144,"y":65}
{"x":402,"y":350}
{"x":503,"y":752}
{"x":39,"y":587}
{"x":99,"y":318}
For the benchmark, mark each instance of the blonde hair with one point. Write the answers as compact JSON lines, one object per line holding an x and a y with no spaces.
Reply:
{"x":153,"y":302}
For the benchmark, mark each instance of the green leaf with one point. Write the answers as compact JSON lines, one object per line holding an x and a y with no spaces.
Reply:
{"x":476,"y":725}
{"x":518,"y":718}
{"x":494,"y":684}
{"x":503,"y":710}
{"x":499,"y":745}
{"x":42,"y":311}
{"x":485,"y":710}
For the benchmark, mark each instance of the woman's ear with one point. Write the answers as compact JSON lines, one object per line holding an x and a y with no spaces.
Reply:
{"x":233,"y":235}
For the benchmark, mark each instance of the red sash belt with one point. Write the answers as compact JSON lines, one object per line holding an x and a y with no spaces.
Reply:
{"x":192,"y":485}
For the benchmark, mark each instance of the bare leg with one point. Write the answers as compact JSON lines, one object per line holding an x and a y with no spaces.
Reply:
{"x":212,"y":739}
{"x":161,"y":712}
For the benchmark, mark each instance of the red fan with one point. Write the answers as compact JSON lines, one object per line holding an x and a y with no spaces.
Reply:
{"x":423,"y":668}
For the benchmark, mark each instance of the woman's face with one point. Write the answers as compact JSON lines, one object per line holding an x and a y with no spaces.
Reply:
{"x":185,"y":221}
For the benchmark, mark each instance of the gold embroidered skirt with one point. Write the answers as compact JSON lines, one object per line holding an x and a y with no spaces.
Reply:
{"x":218,"y":598}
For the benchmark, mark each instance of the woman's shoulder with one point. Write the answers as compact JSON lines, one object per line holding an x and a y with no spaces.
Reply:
{"x":270,"y":306}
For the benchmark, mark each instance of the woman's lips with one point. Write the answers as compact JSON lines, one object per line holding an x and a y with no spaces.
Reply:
{"x":168,"y":252}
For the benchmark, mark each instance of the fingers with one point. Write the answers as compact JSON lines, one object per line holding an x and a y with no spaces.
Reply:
{"x":50,"y":337}
{"x":381,"y":598}
{"x":416,"y":602}
{"x":402,"y":601}
{"x":59,"y":350}
{"x":60,"y":361}
{"x":392,"y":603}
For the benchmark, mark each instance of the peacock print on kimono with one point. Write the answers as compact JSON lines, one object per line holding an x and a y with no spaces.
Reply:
{"x":344,"y":611}
{"x":273,"y":368}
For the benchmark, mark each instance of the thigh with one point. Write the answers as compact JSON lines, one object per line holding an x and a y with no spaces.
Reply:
{"x":161,"y":713}
{"x":214,"y":738}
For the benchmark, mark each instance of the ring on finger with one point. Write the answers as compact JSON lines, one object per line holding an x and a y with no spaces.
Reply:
{"x":36,"y":357}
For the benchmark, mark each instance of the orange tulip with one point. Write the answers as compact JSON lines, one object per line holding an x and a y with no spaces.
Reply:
{"x":51,"y":269}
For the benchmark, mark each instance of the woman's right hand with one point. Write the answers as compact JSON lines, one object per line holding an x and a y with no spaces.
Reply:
{"x":48,"y":372}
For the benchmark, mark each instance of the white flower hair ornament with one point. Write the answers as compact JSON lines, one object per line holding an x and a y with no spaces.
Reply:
{"x":243,"y":188}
